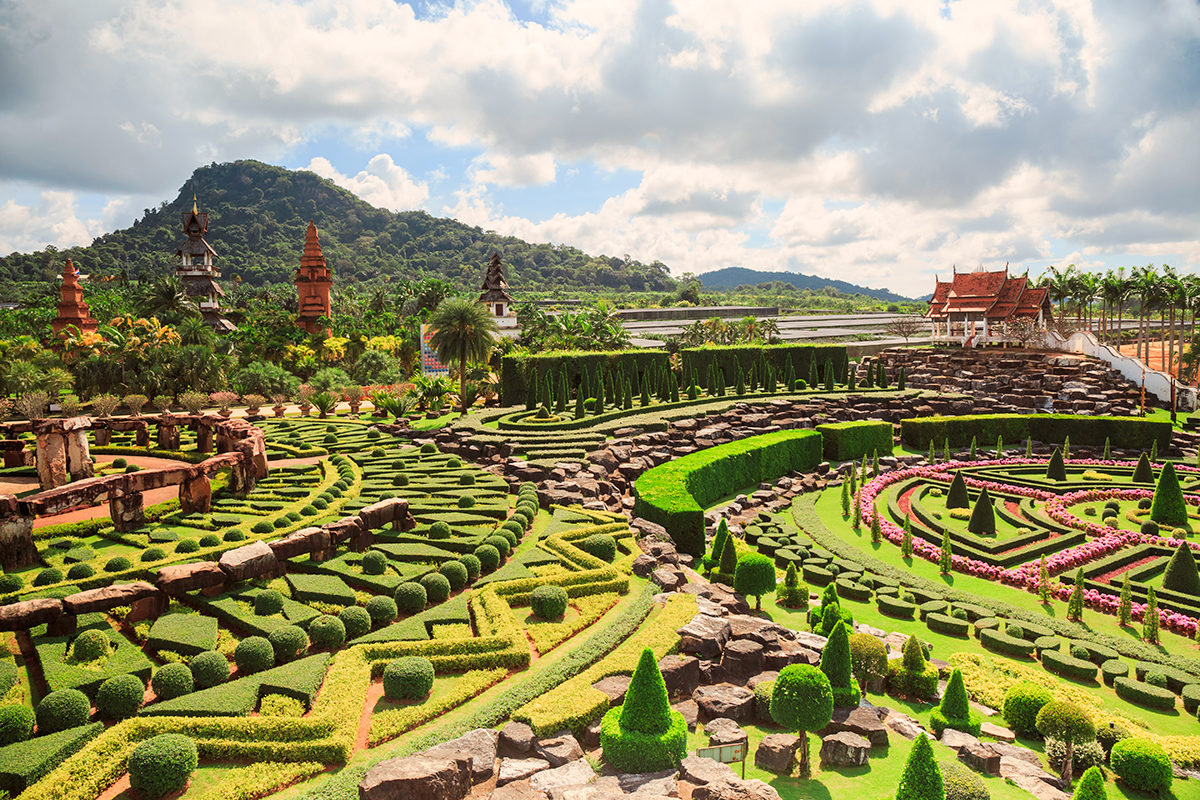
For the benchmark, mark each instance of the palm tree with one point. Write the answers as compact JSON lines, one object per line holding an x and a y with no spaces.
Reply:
{"x":167,"y":298}
{"x":462,"y":331}
{"x":1114,"y":289}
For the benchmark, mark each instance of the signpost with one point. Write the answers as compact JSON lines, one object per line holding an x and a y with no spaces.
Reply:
{"x":726,"y":754}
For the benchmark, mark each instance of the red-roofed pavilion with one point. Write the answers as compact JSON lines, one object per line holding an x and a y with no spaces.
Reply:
{"x":979,"y":305}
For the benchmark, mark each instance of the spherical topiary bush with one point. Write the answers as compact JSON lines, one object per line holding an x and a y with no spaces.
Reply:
{"x":428,"y":448}
{"x":439,"y":530}
{"x":1150,"y":528}
{"x":254,"y":654}
{"x":455,"y":572}
{"x":288,"y":642}
{"x":601,"y":545}
{"x":471,"y":562}
{"x":78,"y":572}
{"x":374,"y":563}
{"x":236,"y":535}
{"x":117,"y":564}
{"x":548,"y":602}
{"x":119,"y":463}
{"x":453,"y":461}
{"x":90,"y":645}
{"x":356,"y":620}
{"x":1108,"y":735}
{"x":408,"y":678}
{"x":65,"y":708}
{"x":1021,"y":706}
{"x":1143,"y":766}
{"x":209,"y":669}
{"x":437,"y":587}
{"x":515,"y":527}
{"x":120,"y":696}
{"x":802,"y":701}
{"x":410,"y":597}
{"x":153,"y":554}
{"x":500,"y":543}
{"x":187,"y":546}
{"x":268,"y":602}
{"x":381,"y":609}
{"x":210,"y":540}
{"x":262,"y":527}
{"x":48,"y":576}
{"x":16,"y":723}
{"x":489,"y":557}
{"x":466,"y":501}
{"x":162,"y":764}
{"x":327,"y":632}
{"x":173,"y":680}
{"x":11,"y":583}
{"x":510,"y":537}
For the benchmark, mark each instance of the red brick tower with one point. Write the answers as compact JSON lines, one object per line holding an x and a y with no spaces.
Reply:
{"x":313,"y":280}
{"x":72,"y":311}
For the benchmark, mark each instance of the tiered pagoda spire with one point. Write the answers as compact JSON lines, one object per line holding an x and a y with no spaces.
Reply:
{"x":198,"y":272}
{"x":313,"y":281}
{"x":72,"y":311}
{"x":495,"y":288}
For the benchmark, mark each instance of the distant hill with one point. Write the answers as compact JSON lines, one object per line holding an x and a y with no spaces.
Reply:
{"x":257,"y":217}
{"x":733,"y":277}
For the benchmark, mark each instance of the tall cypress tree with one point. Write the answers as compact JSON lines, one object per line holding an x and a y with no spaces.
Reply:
{"x":1056,"y":470}
{"x":828,"y":374}
{"x":1044,"y":581}
{"x":739,"y":387}
{"x":906,"y":541}
{"x":791,"y":375}
{"x":922,"y":778}
{"x":728,"y":563}
{"x":1125,"y":608}
{"x":1168,"y":506}
{"x":561,"y":406}
{"x":532,"y":386}
{"x":1075,"y":602}
{"x":720,"y":383}
{"x":812,"y":374}
{"x":835,"y":663}
{"x":945,"y":559}
{"x":1150,"y":618}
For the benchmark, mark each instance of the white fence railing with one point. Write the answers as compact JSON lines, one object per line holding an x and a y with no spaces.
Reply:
{"x":1157,"y":382}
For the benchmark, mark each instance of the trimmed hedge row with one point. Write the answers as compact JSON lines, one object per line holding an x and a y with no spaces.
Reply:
{"x":674,"y":494}
{"x":894,"y":607}
{"x":24,"y":763}
{"x":844,"y":441}
{"x":1144,"y":694}
{"x":1124,"y":432}
{"x":1068,"y":666}
{"x":802,"y":357}
{"x":514,"y":368}
{"x":948,"y":625}
{"x":1003,"y":643}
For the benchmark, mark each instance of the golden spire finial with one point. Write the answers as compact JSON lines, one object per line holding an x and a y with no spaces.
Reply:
{"x":193,"y":203}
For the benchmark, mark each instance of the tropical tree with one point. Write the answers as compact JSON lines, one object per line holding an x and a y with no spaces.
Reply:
{"x":462,"y":331}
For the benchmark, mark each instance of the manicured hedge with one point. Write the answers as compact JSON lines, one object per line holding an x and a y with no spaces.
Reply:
{"x":1191,"y":698}
{"x":675,"y":494}
{"x":1112,"y":669}
{"x":24,"y":763}
{"x":948,"y":625}
{"x":186,"y":634}
{"x":729,"y":358}
{"x":1144,"y":694}
{"x":1125,"y":432}
{"x":1069,"y":667}
{"x":1003,"y":643}
{"x":894,"y":607}
{"x":514,"y":368}
{"x":1176,"y":678}
{"x":844,"y":441}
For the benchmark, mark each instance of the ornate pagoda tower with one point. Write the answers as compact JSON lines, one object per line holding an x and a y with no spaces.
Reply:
{"x":72,"y":311}
{"x":313,"y":280}
{"x":198,"y":272}
{"x":495,"y":293}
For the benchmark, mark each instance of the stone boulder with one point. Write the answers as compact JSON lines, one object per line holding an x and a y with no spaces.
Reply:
{"x":106,"y":597}
{"x":478,"y":745}
{"x":724,"y":731}
{"x":698,"y":770}
{"x":777,"y":752}
{"x":573,"y":773}
{"x":742,"y":658}
{"x":668,"y":577}
{"x":614,"y":687}
{"x":516,"y":769}
{"x":845,"y":749}
{"x":558,"y":750}
{"x":861,"y":720}
{"x":980,"y":758}
{"x":903,"y":724}
{"x":735,"y":789}
{"x":681,"y":674}
{"x":418,"y":777}
{"x":725,"y":700}
{"x":517,"y":736}
{"x":28,"y":613}
{"x":956,"y":740}
{"x":255,"y":560}
{"x":704,"y":636}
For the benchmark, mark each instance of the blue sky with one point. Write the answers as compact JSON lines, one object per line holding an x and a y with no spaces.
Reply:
{"x":875,"y":141}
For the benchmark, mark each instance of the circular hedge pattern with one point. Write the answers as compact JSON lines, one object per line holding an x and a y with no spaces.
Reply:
{"x":408,"y":678}
{"x":327,"y":632}
{"x":410,"y":597}
{"x":356,"y":620}
{"x":173,"y":680}
{"x":16,"y":723}
{"x":437,"y":587}
{"x":254,"y":654}
{"x":209,"y":669}
{"x":162,"y":764}
{"x":66,"y":708}
{"x":120,"y":697}
{"x":548,"y":602}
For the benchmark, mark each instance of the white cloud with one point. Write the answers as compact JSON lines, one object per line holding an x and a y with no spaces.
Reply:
{"x":382,"y":183}
{"x":504,"y":170}
{"x":53,"y":220}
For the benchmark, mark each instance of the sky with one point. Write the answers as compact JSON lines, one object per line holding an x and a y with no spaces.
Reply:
{"x":880,"y":142}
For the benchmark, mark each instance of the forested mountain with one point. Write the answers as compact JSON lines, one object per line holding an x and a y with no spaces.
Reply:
{"x":257,"y":217}
{"x":733,"y":277}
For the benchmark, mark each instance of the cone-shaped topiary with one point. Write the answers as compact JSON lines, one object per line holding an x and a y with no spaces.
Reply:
{"x":921,"y":779}
{"x":913,"y":655}
{"x":983,"y":516}
{"x":1144,"y":473}
{"x":1182,"y":575}
{"x":835,"y":663}
{"x":1091,"y":786}
{"x":1075,"y":601}
{"x":955,"y":710}
{"x":956,"y":496}
{"x":728,"y":564}
{"x":718,"y":546}
{"x":1168,"y":507}
{"x":644,"y":734}
{"x":1056,"y":470}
